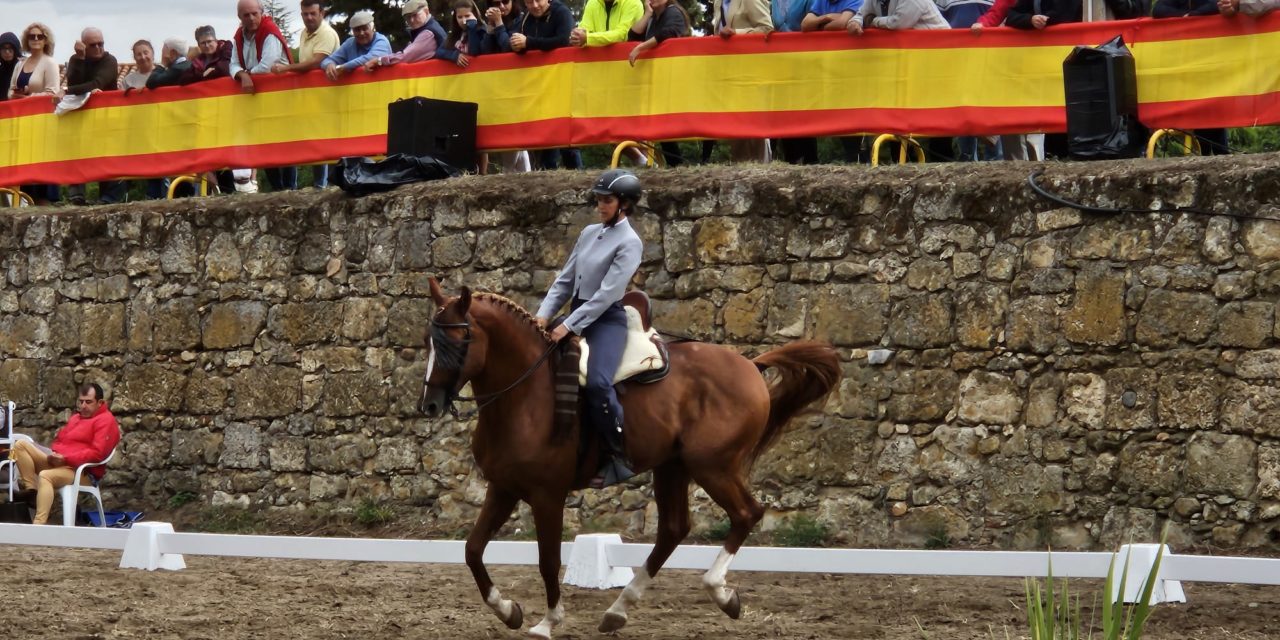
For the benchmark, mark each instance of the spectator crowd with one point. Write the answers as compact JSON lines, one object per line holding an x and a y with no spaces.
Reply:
{"x":28,"y":69}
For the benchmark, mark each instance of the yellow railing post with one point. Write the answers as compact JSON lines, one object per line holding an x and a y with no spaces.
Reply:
{"x":1190,"y":144}
{"x":17,"y":196}
{"x":908,"y":145}
{"x":204,"y":184}
{"x":617,"y":151}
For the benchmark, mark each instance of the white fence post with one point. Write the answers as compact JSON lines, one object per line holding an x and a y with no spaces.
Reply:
{"x":1140,"y":558}
{"x":142,"y":548}
{"x":589,"y":563}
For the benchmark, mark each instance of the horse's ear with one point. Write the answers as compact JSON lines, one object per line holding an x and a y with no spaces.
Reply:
{"x":464,"y":301}
{"x":436,"y":293}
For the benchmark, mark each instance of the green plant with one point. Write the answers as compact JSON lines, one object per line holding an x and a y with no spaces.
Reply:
{"x":802,"y":531}
{"x":370,"y":513}
{"x":226,"y":519}
{"x":719,"y":530}
{"x":937,"y":537}
{"x":1052,"y":614}
{"x":182,"y":497}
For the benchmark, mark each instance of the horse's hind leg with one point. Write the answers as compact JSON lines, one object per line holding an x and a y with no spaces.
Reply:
{"x":498,"y":506}
{"x":671,"y":493}
{"x":548,"y":518}
{"x":731,"y":493}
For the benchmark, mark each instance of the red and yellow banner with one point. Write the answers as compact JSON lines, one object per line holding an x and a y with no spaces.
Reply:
{"x":1192,"y":72}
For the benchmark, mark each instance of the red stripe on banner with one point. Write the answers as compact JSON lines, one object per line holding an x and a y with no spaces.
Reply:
{"x":1210,"y":113}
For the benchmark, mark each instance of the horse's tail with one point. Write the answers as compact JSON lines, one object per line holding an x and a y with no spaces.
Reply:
{"x":807,"y":371}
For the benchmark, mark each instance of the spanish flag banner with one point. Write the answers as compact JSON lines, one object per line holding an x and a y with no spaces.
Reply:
{"x":1192,"y":73}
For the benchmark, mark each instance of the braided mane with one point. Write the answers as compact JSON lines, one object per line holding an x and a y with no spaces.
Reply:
{"x":514,"y":309}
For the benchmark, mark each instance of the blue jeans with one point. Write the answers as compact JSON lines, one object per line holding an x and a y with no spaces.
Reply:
{"x":607,"y":337}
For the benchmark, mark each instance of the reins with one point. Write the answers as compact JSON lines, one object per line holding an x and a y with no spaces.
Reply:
{"x":485,"y":399}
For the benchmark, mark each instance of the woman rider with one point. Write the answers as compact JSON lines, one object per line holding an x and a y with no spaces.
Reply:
{"x":593,"y":280}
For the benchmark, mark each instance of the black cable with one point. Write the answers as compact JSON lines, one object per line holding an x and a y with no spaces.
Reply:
{"x":1040,"y":191}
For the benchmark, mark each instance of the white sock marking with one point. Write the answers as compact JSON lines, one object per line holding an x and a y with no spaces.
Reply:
{"x":500,"y":605}
{"x":632,"y":594}
{"x":713,"y":579}
{"x":549,"y":622}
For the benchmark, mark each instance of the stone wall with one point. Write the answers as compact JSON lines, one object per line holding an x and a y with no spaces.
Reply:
{"x":1016,"y":374}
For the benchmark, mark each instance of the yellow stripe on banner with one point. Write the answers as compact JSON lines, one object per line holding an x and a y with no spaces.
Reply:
{"x":343,"y":111}
{"x":1193,"y":70}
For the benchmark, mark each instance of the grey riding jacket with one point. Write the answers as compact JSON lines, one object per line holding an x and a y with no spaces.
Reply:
{"x":598,"y":271}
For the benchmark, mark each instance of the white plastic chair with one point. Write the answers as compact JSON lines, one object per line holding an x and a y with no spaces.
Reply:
{"x":70,"y":494}
{"x":8,"y":469}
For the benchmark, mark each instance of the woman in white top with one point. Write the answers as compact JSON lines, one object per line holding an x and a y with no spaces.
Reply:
{"x":38,"y":73}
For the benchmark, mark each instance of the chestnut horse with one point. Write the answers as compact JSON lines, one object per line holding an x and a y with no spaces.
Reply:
{"x":707,"y":421}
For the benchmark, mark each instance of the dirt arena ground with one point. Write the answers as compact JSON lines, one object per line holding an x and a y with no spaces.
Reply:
{"x":74,"y":594}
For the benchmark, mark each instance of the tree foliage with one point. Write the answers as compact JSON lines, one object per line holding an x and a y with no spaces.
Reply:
{"x":279,"y":12}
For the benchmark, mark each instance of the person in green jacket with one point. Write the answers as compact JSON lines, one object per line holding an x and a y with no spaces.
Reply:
{"x":606,"y":22}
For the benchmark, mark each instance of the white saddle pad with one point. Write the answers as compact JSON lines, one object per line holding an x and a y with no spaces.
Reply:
{"x":640,"y":355}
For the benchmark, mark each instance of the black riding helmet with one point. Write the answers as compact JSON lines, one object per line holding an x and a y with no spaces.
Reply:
{"x":618,"y":182}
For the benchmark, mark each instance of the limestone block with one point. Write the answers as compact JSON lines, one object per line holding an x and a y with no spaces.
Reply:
{"x":344,"y":453}
{"x":1219,"y":240}
{"x":1249,"y":408}
{"x":150,"y":387}
{"x":1181,"y":245}
{"x":355,"y":393}
{"x":314,"y":252}
{"x":989,"y":398}
{"x":241,"y":447}
{"x":921,"y":321}
{"x":1269,"y":471}
{"x":745,"y":316}
{"x":499,"y":248}
{"x":1097,"y":315}
{"x":1188,"y":400}
{"x":176,"y":325}
{"x":1042,"y":401}
{"x":980,"y":314}
{"x":406,"y":388}
{"x":725,"y":240}
{"x":1150,"y":467}
{"x":1168,"y":317}
{"x":1023,"y":487}
{"x":677,"y":246}
{"x":197,"y":447}
{"x":694,"y":318}
{"x":929,"y":274}
{"x":304,"y":322}
{"x":396,"y":454}
{"x":407,"y":322}
{"x":205,"y":393}
{"x":20,"y":382}
{"x":954,"y":458}
{"x":848,"y":314}
{"x":450,"y":251}
{"x":287,"y":453}
{"x":1138,"y":386}
{"x":1235,"y":286}
{"x":268,"y":257}
{"x":178,"y":255}
{"x":1002,"y":262}
{"x":1262,"y":239}
{"x":1033,"y":324}
{"x":897,"y":459}
{"x":232,"y":324}
{"x":1123,"y":525}
{"x":1262,"y":364}
{"x":1245,"y":324}
{"x":364,"y":318}
{"x":102,"y":328}
{"x":64,"y":327}
{"x":44,"y":264}
{"x":1218,"y":463}
{"x":222,"y":260}
{"x":1084,"y":399}
{"x":324,"y":487}
{"x":38,"y":300}
{"x":922,"y":395}
{"x":266,"y":391}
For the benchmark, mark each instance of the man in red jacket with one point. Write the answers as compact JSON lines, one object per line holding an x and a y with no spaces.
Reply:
{"x":90,"y":436}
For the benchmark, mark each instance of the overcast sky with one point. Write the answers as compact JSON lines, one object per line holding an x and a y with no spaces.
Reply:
{"x":124,"y":22}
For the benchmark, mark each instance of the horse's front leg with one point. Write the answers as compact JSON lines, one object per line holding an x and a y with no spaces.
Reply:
{"x":548,"y":517}
{"x":498,"y":506}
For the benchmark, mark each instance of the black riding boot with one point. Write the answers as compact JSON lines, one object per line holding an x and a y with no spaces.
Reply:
{"x":615,"y":467}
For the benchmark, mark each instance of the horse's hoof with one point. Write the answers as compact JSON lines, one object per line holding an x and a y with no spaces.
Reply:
{"x":517,"y":617}
{"x":535,"y":633}
{"x":732,"y":608}
{"x":612,"y":622}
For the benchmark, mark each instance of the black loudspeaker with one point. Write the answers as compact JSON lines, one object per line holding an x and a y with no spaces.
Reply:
{"x":1102,"y":102}
{"x":440,"y":128}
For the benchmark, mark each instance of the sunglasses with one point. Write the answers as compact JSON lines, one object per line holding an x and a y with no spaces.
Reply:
{"x":35,"y":36}
{"x":502,"y":2}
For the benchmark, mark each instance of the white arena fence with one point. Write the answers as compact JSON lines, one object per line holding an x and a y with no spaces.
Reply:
{"x":603,"y":561}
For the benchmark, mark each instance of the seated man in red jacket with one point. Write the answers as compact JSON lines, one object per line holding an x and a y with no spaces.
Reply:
{"x":90,"y":436}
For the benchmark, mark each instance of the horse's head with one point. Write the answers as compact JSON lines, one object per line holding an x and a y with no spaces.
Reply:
{"x":455,"y":351}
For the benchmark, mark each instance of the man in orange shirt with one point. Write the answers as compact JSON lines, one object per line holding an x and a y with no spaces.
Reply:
{"x":90,"y":436}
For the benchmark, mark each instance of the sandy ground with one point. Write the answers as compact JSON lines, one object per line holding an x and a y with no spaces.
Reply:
{"x":224,"y":599}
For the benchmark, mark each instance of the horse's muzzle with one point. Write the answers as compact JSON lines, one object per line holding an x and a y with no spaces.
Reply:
{"x":434,"y":402}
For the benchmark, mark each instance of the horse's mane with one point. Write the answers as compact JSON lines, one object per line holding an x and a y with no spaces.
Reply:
{"x":514,"y":309}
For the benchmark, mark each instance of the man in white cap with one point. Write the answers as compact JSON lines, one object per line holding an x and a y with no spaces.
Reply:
{"x":426,"y":40}
{"x":364,"y":45}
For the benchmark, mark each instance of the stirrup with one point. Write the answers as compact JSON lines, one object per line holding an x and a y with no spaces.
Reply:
{"x":614,"y":471}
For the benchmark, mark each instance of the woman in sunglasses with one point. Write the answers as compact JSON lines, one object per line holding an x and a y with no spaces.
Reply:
{"x":38,"y":73}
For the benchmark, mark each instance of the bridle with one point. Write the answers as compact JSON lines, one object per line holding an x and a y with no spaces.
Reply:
{"x":452,"y":355}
